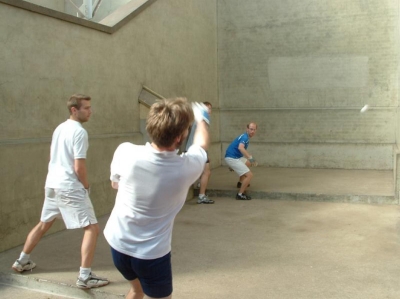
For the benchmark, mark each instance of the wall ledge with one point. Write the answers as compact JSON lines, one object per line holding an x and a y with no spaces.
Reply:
{"x":109,"y":24}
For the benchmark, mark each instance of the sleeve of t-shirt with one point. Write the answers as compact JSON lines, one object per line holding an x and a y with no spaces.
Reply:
{"x":116,"y":165}
{"x":198,"y":156}
{"x":244,"y":139}
{"x":81,"y":145}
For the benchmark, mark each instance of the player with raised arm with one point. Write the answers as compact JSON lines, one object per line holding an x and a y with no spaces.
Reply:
{"x":153,"y":182}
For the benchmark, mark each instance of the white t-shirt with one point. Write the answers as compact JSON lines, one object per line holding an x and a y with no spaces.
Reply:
{"x":152,"y":189}
{"x":69,"y":142}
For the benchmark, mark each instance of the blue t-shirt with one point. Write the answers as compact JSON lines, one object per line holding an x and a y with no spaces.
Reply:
{"x":233,"y":149}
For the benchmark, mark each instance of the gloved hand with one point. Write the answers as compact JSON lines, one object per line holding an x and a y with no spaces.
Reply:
{"x":200,"y":112}
{"x":252,"y":161}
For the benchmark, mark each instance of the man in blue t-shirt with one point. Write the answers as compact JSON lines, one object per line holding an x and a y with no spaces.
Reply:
{"x":239,"y":160}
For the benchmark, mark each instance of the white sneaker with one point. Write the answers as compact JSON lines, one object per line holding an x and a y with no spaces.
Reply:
{"x":18,"y":267}
{"x":204,"y":200}
{"x":92,"y":281}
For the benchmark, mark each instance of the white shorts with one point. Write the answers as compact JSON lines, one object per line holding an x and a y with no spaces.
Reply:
{"x":73,"y":206}
{"x":238,"y":165}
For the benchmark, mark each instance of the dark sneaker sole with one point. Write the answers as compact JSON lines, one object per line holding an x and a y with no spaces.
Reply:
{"x":239,"y":184}
{"x":244,"y":197}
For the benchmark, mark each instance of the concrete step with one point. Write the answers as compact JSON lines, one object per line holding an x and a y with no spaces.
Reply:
{"x":332,"y":185}
{"x":348,"y":198}
{"x":22,"y":286}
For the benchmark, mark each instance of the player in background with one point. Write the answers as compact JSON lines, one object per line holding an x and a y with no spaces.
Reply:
{"x":205,"y":176}
{"x":67,"y":192}
{"x":239,"y":160}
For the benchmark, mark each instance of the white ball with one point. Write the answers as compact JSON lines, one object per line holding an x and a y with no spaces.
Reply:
{"x":365,"y":108}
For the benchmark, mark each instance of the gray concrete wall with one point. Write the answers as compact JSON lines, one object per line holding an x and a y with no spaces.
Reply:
{"x":170,"y":47}
{"x":58,"y":5}
{"x":302,"y":70}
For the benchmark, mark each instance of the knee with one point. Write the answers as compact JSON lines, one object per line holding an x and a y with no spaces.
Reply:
{"x":44,"y":226}
{"x":138,"y":294}
{"x":249,"y":175}
{"x":93,"y":228}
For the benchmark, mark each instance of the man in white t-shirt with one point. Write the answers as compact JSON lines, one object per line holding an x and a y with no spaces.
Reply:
{"x":153,"y":182}
{"x":67,"y":192}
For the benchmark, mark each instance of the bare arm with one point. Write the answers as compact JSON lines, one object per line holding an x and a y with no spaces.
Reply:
{"x":201,"y":136}
{"x":81,"y":172}
{"x":114,"y":185}
{"x":244,"y":152}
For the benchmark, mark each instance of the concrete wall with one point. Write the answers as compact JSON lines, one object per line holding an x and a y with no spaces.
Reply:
{"x":302,"y":70}
{"x":170,"y":47}
{"x":58,"y":5}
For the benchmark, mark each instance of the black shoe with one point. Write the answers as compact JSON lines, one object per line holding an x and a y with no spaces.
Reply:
{"x":239,"y":184}
{"x":242,"y":197}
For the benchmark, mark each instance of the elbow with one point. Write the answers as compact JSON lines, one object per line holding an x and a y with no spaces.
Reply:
{"x":78,"y":172}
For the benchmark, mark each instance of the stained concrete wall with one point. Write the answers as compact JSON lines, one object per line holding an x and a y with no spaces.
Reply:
{"x":302,"y":70}
{"x":169,"y":47}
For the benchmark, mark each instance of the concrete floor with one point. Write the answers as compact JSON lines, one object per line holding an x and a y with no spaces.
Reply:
{"x":251,"y":249}
{"x":333,"y":185}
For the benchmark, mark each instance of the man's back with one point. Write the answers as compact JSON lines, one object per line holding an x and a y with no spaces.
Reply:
{"x":148,"y":193}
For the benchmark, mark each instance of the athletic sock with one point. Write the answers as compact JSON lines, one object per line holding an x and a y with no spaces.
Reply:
{"x":201,"y":196}
{"x":240,"y":194}
{"x":84,"y":272}
{"x":24,"y":258}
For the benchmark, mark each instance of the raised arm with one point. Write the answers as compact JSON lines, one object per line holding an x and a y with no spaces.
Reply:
{"x":201,"y":136}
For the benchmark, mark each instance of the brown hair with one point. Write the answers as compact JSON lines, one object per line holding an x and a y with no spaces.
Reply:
{"x":248,"y":125}
{"x":208,"y":104}
{"x":76,"y":100}
{"x":168,"y":119}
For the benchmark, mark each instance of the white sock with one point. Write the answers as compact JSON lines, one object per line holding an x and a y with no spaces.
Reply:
{"x":201,"y":196}
{"x":84,"y":272}
{"x":24,"y":258}
{"x":240,"y":194}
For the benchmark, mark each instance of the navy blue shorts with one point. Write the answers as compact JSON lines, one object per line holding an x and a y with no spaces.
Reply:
{"x":155,"y":276}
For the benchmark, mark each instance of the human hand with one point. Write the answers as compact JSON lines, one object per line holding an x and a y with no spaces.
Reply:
{"x":200,"y":112}
{"x":252,"y":161}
